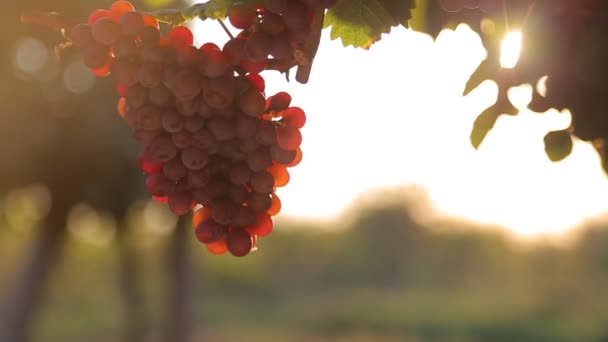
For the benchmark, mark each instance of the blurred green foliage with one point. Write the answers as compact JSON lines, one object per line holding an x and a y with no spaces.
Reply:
{"x":383,"y":278}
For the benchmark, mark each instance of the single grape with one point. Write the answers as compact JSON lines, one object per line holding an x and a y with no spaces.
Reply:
{"x":119,"y":9}
{"x":161,"y":149}
{"x":259,"y":160}
{"x":200,"y":215}
{"x":104,"y":70}
{"x":136,"y":96}
{"x":125,"y":72}
{"x":289,"y":138}
{"x":239,"y":174}
{"x":217,"y":188}
{"x":187,"y":108}
{"x":157,"y":184}
{"x":105,"y":31}
{"x":219,"y":94}
{"x":145,"y":137}
{"x":130,"y":116}
{"x":238,"y":193}
{"x":187,"y":56}
{"x":147,"y":164}
{"x":258,"y":46}
{"x":80,"y":35}
{"x":293,"y":117}
{"x":160,"y":96}
{"x":280,"y":174}
{"x":96,"y":15}
{"x":121,"y":107}
{"x":180,"y":36}
{"x":239,"y":242}
{"x":152,"y":53}
{"x":222,"y":129}
{"x":213,"y":63}
{"x":150,"y":21}
{"x":198,"y":178}
{"x":203,"y":139}
{"x":149,"y":74}
{"x":246,"y":126}
{"x":244,"y":217}
{"x":149,"y":118}
{"x":209,"y":46}
{"x":242,"y":16}
{"x":266,"y":133}
{"x":296,"y":15}
{"x":262,"y":226}
{"x":262,"y":182}
{"x":252,"y":102}
{"x":180,"y":203}
{"x":272,"y":23}
{"x":194,"y":158}
{"x":121,"y":90}
{"x":229,"y":149}
{"x":259,"y":203}
{"x":194,"y":123}
{"x":252,"y":66}
{"x":96,"y":56}
{"x":125,"y":48}
{"x":276,"y":6}
{"x":278,"y":102}
{"x":282,"y":156}
{"x":275,"y":207}
{"x":174,"y":169}
{"x":297,"y":158}
{"x":249,"y":145}
{"x":132,"y":24}
{"x":187,"y":85}
{"x":281,"y":47}
{"x":150,"y":35}
{"x":209,"y":231}
{"x":223,"y":211}
{"x":182,"y":139}
{"x":234,"y":50}
{"x":218,"y":248}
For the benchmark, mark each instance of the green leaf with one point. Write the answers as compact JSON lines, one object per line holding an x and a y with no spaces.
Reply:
{"x":486,"y":120}
{"x":558,"y":145}
{"x":212,"y":9}
{"x":360,"y":23}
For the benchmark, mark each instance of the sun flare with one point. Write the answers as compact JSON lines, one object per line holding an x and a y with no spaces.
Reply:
{"x":510,"y":49}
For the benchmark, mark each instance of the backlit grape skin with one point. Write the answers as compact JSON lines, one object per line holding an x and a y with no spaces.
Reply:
{"x":211,"y":137}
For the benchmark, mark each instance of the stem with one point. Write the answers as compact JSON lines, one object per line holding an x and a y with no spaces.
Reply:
{"x":225,"y":28}
{"x":179,"y":320}
{"x":25,"y":298}
{"x":134,"y":310}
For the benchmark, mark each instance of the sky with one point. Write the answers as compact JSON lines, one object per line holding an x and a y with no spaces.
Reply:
{"x":394,"y":115}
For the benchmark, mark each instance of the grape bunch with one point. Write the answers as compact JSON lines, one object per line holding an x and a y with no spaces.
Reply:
{"x":212,"y":139}
{"x":277,"y":34}
{"x":491,"y":6}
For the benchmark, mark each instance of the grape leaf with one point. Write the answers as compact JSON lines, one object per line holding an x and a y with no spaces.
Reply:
{"x":360,"y":23}
{"x":212,"y":9}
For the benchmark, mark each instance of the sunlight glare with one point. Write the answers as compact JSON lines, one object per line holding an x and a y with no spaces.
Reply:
{"x":394,"y":115}
{"x":510,"y":49}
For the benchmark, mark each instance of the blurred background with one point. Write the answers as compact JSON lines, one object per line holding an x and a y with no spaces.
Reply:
{"x":393,"y":228}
